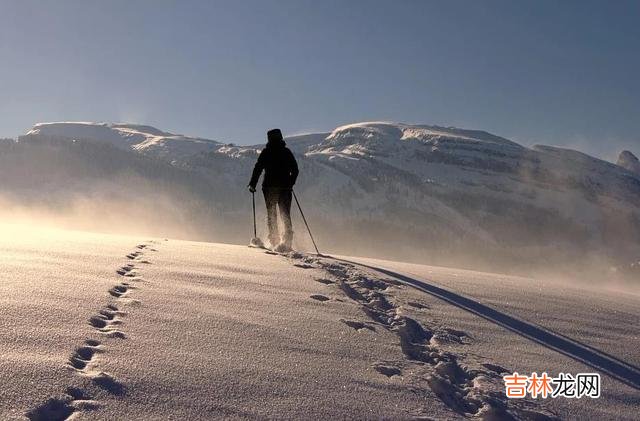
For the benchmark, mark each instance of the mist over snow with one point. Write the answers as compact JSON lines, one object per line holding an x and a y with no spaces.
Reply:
{"x":423,"y":193}
{"x":147,"y":325}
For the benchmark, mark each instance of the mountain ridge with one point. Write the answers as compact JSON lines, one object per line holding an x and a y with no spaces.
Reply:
{"x":373,"y":188}
{"x":145,"y":137}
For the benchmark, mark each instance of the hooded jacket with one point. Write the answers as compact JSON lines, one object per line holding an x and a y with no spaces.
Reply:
{"x":279,"y":165}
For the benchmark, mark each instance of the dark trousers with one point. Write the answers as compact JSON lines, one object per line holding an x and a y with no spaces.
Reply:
{"x":278,"y":199}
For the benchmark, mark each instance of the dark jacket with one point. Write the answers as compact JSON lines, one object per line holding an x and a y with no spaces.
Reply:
{"x":279,"y":165}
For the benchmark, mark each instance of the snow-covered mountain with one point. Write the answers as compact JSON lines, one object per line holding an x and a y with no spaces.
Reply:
{"x":426,"y":193}
{"x":629,"y":161}
{"x":145,"y":139}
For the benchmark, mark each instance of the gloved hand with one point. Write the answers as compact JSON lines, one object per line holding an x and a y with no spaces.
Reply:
{"x":252,"y":189}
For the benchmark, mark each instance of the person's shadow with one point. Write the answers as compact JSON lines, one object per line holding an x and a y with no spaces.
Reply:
{"x":616,"y":368}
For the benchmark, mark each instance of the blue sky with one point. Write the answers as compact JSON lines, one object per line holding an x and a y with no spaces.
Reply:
{"x":553,"y":72}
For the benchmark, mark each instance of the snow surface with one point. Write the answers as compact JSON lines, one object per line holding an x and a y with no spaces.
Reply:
{"x":114,"y":327}
{"x":141,"y":138}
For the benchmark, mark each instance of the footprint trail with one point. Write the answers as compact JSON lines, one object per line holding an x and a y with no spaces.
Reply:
{"x":431,"y":364}
{"x":84,"y":361}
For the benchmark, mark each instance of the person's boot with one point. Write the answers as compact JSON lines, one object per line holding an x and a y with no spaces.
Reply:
{"x":285,"y":245}
{"x":288,"y":239}
{"x":274,"y":240}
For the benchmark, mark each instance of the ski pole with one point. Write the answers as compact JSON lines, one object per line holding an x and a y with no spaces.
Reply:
{"x":305,"y":222}
{"x":253,"y":202}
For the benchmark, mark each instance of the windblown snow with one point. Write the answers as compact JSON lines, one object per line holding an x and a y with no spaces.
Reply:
{"x":423,"y":193}
{"x":102,"y":327}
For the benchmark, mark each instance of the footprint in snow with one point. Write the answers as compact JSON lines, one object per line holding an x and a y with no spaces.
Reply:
{"x":125,"y":269}
{"x":98,"y":322}
{"x":448,"y":336}
{"x":106,"y":382}
{"x":78,"y":394}
{"x":55,"y":409}
{"x":113,"y":333}
{"x":387,"y":370}
{"x":354,"y":324}
{"x":84,"y":355}
{"x":105,"y":321}
{"x":118,"y":290}
{"x":108,"y":314}
{"x":303,"y":265}
{"x":63,"y":408}
{"x":496,"y":368}
{"x":418,"y":305}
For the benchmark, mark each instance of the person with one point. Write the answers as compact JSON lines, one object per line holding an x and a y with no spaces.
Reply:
{"x":280,"y":174}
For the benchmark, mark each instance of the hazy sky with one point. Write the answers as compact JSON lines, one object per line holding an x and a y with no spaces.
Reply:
{"x":554,"y":72}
